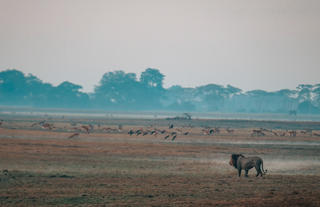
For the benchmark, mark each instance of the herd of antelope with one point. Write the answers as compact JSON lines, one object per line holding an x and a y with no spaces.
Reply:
{"x":282,"y":133}
{"x":171,"y":132}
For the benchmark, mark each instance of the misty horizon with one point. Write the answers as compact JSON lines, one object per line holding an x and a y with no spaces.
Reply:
{"x":118,"y":90}
{"x":166,"y":87}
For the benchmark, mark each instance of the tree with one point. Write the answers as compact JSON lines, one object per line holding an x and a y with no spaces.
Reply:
{"x":307,"y":107}
{"x":212,"y":96}
{"x":28,"y":90}
{"x":12,"y":84}
{"x":152,"y":78}
{"x":316,"y":92}
{"x":304,"y":91}
{"x":153,"y":91}
{"x":68,"y":95}
{"x":68,"y":87}
{"x":233,"y":90}
{"x":40,"y":94}
{"x":118,"y":90}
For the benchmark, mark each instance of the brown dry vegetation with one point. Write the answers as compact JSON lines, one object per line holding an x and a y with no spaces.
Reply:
{"x":41,"y":167}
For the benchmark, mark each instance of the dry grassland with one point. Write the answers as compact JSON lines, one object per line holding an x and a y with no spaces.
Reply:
{"x":109,"y":167}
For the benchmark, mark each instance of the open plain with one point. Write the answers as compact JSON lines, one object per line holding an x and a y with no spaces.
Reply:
{"x":78,"y":161}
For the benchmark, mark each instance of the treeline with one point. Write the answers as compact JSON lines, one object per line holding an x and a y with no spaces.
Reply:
{"x":118,"y":90}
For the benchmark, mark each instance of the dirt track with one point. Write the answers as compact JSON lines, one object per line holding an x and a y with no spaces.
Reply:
{"x":42,"y":167}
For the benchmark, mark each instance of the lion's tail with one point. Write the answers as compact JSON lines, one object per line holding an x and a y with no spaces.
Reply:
{"x":264,"y":171}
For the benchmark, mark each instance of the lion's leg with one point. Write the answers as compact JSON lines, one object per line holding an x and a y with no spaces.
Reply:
{"x":258,"y":171}
{"x":246,"y":173}
{"x":239,"y":172}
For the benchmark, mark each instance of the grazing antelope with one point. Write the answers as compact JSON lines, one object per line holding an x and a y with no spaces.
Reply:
{"x":47,"y":126}
{"x":282,"y":134}
{"x":86,"y":128}
{"x":229,"y":130}
{"x":292,"y":133}
{"x":38,"y":123}
{"x":73,"y":135}
{"x":257,"y":132}
{"x":303,"y":132}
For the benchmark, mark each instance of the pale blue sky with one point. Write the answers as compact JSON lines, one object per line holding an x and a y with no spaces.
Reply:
{"x":251,"y":44}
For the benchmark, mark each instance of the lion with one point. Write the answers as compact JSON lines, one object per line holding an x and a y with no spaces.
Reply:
{"x":241,"y":162}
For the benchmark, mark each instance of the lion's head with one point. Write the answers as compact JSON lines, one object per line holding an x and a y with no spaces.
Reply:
{"x":234,"y":158}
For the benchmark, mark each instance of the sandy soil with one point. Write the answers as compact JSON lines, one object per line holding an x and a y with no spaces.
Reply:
{"x":108,"y":167}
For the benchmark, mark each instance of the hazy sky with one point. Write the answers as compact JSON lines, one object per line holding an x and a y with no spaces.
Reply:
{"x":251,"y":44}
